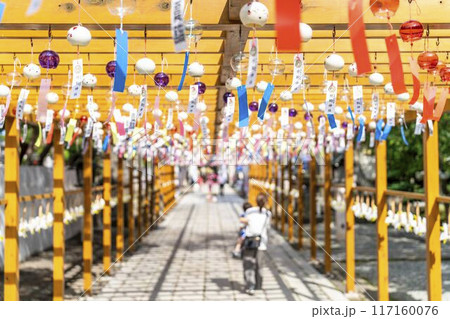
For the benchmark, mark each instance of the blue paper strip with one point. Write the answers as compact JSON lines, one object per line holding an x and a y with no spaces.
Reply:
{"x":332,"y":120}
{"x":265,"y":101}
{"x":106,"y":143}
{"x":120,"y":75}
{"x":402,"y":131}
{"x":361,"y":130}
{"x":2,"y":8}
{"x":351,"y":115}
{"x":386,"y":131}
{"x":183,"y":76}
{"x":379,"y":130}
{"x":243,"y":106}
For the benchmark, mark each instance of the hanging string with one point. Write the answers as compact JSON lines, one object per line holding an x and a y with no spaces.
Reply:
{"x":145,"y":40}
{"x":121,"y":15}
{"x":334,"y":38}
{"x":79,"y":12}
{"x":50,"y":37}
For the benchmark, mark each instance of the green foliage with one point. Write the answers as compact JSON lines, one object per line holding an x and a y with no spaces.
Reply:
{"x":405,"y":163}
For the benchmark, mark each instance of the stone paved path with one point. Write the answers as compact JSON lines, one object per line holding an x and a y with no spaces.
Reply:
{"x":188,"y":258}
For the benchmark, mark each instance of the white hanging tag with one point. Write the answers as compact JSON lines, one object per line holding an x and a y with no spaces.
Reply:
{"x":299,"y":71}
{"x":77,"y":80}
{"x":419,"y":126}
{"x":142,"y":101}
{"x":284,"y":118}
{"x":177,"y":25}
{"x":375,"y":105}
{"x":252,"y":64}
{"x":2,"y":115}
{"x":204,"y":127}
{"x":126,"y":124}
{"x":23,"y":96}
{"x":193,"y":98}
{"x":350,"y":133}
{"x":390,"y":114}
{"x":62,"y":136}
{"x":229,"y":111}
{"x":169,"y":118}
{"x":133,"y":116}
{"x":358,"y":99}
{"x":90,"y":107}
{"x":331,"y":97}
{"x":430,"y":127}
{"x":372,"y":140}
{"x":49,"y":121}
{"x":89,"y":126}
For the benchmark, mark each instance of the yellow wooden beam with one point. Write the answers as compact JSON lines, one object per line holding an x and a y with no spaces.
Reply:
{"x":382,"y":231}
{"x":350,"y":220}
{"x":431,"y":169}
{"x":87,"y":218}
{"x":12,"y":182}
{"x":107,"y":212}
{"x":58,"y":217}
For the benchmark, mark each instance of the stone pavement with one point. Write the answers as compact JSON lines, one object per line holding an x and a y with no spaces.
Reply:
{"x":188,"y":257}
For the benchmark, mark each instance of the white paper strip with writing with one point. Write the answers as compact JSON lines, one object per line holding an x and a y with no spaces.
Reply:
{"x":252,"y":64}
{"x":299,"y":72}
{"x":193,"y":98}
{"x":177,"y":25}
{"x":331,"y":97}
{"x":77,"y":80}
{"x":390,"y":114}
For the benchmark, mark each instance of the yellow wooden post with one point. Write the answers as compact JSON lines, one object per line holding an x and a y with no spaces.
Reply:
{"x":382,"y":230}
{"x":147,"y":199}
{"x":431,"y":169}
{"x":152,"y":193}
{"x":350,"y":220}
{"x":139,"y":199}
{"x":58,"y":217}
{"x":290,"y":204}
{"x":282,"y":199}
{"x":312,"y":207}
{"x":12,"y":182}
{"x":270,"y":181}
{"x":107,"y":212}
{"x":157,"y":190}
{"x":327,"y":213}
{"x":120,"y":214}
{"x":275,"y":193}
{"x":131,"y":204}
{"x":300,"y":206}
{"x":87,"y":218}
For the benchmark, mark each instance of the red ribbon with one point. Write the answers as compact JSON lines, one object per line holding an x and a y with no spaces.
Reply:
{"x":358,"y":36}
{"x":429,"y":94}
{"x":288,"y":25}
{"x":416,"y":82}
{"x":50,"y":135}
{"x":440,"y":104}
{"x":395,"y":65}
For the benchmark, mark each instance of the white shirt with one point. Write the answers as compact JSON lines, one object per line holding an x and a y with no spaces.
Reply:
{"x":258,"y":224}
